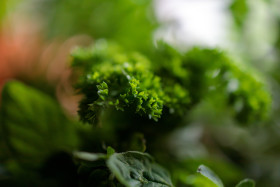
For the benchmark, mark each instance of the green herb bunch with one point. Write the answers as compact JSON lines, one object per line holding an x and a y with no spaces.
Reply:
{"x":143,"y":99}
{"x":169,"y":83}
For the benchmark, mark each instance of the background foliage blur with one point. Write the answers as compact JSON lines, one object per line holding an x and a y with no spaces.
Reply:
{"x":36,"y":38}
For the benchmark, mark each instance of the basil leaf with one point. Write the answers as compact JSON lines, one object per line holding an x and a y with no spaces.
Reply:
{"x":138,"y":169}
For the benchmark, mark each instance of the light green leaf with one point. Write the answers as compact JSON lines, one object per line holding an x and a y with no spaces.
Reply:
{"x":33,"y":126}
{"x":91,"y":157}
{"x":136,"y":169}
{"x":246,"y":183}
{"x":208,"y":173}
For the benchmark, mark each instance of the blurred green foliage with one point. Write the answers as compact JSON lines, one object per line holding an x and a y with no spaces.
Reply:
{"x":2,"y":10}
{"x":26,"y":115}
{"x":7,"y":7}
{"x":258,"y":44}
{"x":121,"y":89}
{"x":33,"y":128}
{"x":239,"y":10}
{"x":128,"y":22}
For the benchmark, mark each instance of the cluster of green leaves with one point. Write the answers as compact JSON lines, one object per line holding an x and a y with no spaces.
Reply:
{"x":129,"y":168}
{"x":120,"y":88}
{"x":34,"y":129}
{"x":170,"y":81}
{"x":118,"y":80}
{"x":163,"y":85}
{"x":124,"y":81}
{"x":136,"y":99}
{"x":242,"y":87}
{"x":130,"y":83}
{"x":137,"y":169}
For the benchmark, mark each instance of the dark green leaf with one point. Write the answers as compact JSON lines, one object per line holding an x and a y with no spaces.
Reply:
{"x":239,"y":10}
{"x":33,"y":126}
{"x":138,"y":169}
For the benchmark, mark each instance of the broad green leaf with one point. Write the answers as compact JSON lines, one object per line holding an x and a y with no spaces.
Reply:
{"x":124,"y":17}
{"x":33,"y":126}
{"x":208,"y":173}
{"x":134,"y":169}
{"x":246,"y":183}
